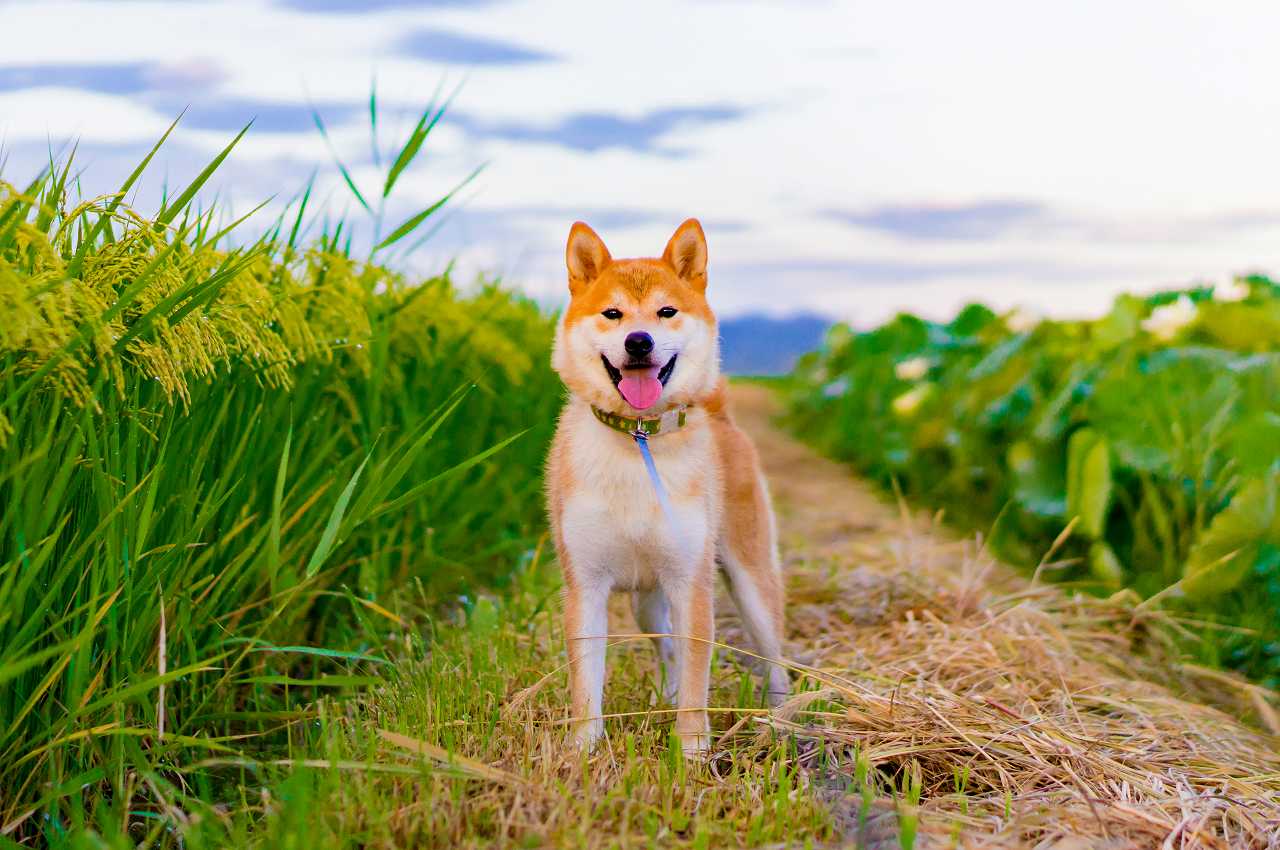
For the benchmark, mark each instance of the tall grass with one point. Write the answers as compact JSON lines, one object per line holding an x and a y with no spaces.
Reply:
{"x":222,"y":472}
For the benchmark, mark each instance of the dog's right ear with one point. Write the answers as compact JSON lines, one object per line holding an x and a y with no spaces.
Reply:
{"x":585,"y":255}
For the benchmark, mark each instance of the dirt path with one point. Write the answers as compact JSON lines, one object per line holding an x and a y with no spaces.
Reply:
{"x":1035,"y":718}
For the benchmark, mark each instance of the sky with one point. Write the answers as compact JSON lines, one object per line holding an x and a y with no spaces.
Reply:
{"x":853,"y":159}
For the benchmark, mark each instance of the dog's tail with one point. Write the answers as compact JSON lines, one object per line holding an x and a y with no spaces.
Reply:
{"x":717,"y":403}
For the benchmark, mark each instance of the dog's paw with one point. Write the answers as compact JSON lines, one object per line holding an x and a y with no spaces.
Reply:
{"x":777,"y":687}
{"x":694,"y":731}
{"x":670,"y":692}
{"x":588,"y":733}
{"x":696,"y":745}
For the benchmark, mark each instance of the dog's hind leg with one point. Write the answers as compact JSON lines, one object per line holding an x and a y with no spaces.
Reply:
{"x":756,"y":588}
{"x":654,"y":617}
{"x":748,"y":554}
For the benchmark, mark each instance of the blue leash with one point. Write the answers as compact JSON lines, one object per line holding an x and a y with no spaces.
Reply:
{"x":642,"y":440}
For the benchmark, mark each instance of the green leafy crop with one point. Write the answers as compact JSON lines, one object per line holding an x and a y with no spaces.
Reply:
{"x":1154,"y":432}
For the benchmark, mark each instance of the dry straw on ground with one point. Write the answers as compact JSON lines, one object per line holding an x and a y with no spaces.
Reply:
{"x":1062,"y":717}
{"x":1033,"y":718}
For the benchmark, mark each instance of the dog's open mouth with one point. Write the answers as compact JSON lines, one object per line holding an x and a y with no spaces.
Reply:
{"x":640,"y":384}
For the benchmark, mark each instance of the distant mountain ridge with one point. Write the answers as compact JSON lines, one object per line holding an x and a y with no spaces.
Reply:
{"x":756,"y":344}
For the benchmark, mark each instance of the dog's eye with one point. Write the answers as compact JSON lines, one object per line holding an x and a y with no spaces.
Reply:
{"x":667,"y":312}
{"x":612,"y":313}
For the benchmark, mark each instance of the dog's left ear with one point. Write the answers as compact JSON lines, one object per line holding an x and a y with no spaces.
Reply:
{"x":687,"y":254}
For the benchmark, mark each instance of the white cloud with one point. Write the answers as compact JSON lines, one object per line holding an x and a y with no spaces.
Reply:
{"x":59,"y":114}
{"x":1140,"y":129}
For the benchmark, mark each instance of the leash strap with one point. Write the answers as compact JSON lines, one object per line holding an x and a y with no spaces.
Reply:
{"x":642,"y":440}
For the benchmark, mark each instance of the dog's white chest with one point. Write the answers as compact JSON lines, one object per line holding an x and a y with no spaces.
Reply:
{"x":613,"y":524}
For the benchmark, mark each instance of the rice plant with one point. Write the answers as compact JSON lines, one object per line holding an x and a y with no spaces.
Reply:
{"x":224,"y":468}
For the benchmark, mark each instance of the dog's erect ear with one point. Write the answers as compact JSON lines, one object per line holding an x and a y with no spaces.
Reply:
{"x":585,"y":255}
{"x":687,"y":253}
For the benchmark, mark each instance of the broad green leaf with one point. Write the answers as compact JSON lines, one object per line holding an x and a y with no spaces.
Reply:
{"x":1255,"y":442}
{"x":1037,"y":480}
{"x":971,"y":319}
{"x":1054,"y":417}
{"x":1121,"y":324}
{"x":998,"y":358}
{"x":1241,"y":326}
{"x":1089,"y":481}
{"x":1227,"y":549}
{"x":1105,"y":566}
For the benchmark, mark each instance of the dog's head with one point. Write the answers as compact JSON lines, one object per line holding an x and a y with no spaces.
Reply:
{"x":638,"y":336}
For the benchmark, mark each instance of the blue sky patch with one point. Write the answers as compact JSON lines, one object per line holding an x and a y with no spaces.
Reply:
{"x":980,"y":220}
{"x":351,"y":6}
{"x":595,"y":131}
{"x":267,"y":116}
{"x":453,"y":48}
{"x":132,"y":78}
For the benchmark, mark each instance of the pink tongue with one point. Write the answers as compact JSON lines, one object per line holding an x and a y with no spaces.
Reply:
{"x":640,"y":392}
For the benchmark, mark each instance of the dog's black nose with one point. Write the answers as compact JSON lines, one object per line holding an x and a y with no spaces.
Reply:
{"x":638,"y":344}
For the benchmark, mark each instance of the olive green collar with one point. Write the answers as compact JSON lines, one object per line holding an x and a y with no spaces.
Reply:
{"x":672,"y":420}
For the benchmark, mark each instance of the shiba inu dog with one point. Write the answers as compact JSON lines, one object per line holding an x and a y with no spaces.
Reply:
{"x":638,"y":350}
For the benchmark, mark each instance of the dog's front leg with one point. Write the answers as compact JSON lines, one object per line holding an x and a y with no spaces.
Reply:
{"x":695,"y":627}
{"x":586,"y":624}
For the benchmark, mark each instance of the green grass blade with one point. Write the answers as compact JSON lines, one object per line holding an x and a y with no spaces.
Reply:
{"x":73,"y":268}
{"x":277,"y":503}
{"x":170,"y":212}
{"x":413,"y":145}
{"x":330,"y":533}
{"x":217,"y":237}
{"x":322,"y":652}
{"x":302,"y":209}
{"x":419,"y":490}
{"x":346,"y":175}
{"x":413,"y":222}
{"x":373,"y":122}
{"x":394,"y":470}
{"x":16,"y":209}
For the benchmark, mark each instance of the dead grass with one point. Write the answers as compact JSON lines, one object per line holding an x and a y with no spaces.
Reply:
{"x":1033,"y":718}
{"x":1036,"y":716}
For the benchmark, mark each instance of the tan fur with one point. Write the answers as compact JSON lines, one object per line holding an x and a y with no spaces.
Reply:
{"x":610,"y":532}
